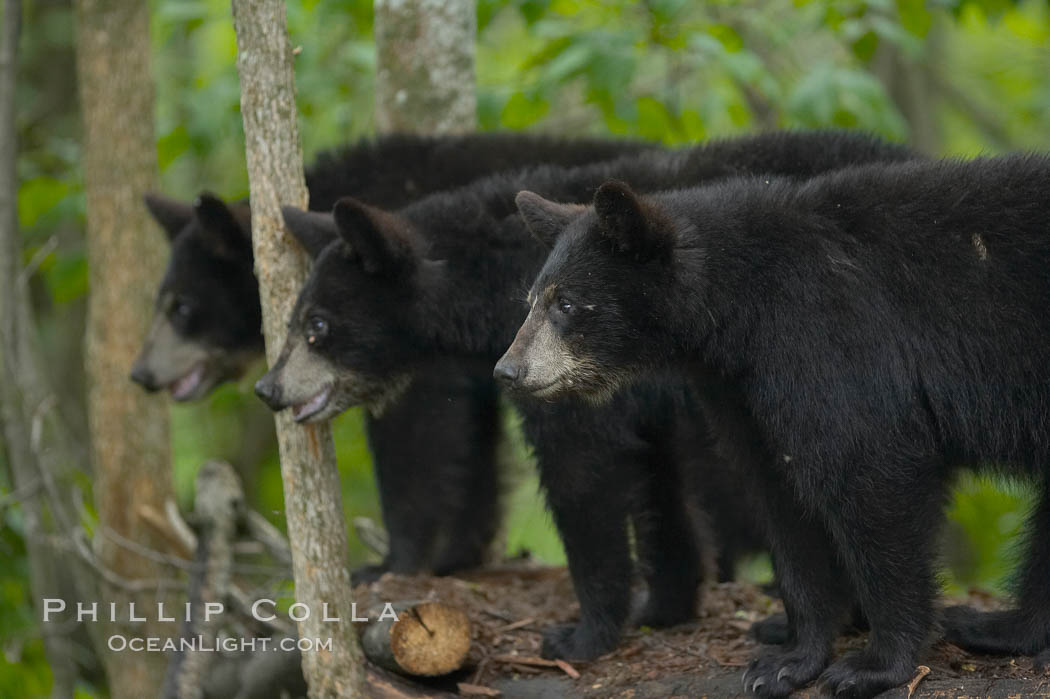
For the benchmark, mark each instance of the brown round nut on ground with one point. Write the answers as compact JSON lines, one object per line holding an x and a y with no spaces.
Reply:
{"x":428,"y":639}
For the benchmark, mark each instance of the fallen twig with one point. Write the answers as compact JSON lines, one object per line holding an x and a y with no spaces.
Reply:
{"x":476,"y":690}
{"x":568,"y":669}
{"x":537,"y":662}
{"x":632,"y":651}
{"x":516,"y":625}
{"x":922,"y":672}
{"x":498,"y":615}
{"x":479,"y":671}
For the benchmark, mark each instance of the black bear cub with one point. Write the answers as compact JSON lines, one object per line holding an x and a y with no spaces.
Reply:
{"x":861,"y":334}
{"x":434,"y":450}
{"x":442,"y":278}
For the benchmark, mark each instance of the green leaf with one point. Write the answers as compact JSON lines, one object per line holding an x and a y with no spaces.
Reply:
{"x":171,"y":146}
{"x":523,"y":110}
{"x":914,"y":16}
{"x":533,"y":10}
{"x":864,"y":47}
{"x":693,"y":126}
{"x":727,"y":36}
{"x":655,"y":122}
{"x":569,"y":63}
{"x":37,"y":197}
{"x":67,"y":277}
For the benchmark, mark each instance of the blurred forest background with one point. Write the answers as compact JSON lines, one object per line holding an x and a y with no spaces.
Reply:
{"x":954,"y":78}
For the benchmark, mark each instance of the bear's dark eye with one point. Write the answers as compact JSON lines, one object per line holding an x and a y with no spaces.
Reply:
{"x":317,"y":328}
{"x":564,"y":306}
{"x":182,"y":308}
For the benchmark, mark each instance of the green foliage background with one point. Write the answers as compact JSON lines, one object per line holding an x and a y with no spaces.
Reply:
{"x":955,"y":78}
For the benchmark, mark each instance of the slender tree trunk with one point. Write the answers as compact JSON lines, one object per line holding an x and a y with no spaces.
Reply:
{"x":911,"y":85}
{"x":21,"y":388}
{"x":425,"y":85}
{"x":312,"y":495}
{"x":129,"y":429}
{"x":425,"y":59}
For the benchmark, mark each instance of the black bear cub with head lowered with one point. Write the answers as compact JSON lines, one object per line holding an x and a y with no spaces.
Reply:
{"x":434,"y":450}
{"x":862,"y":334}
{"x":443,"y":278}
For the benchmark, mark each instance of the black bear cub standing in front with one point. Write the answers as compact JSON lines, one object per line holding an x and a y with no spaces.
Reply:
{"x":443,"y":278}
{"x":434,"y":450}
{"x":867,"y":331}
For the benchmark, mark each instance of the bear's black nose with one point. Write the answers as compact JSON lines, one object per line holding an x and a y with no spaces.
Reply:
{"x":508,"y":372}
{"x":144,"y":377}
{"x":269,"y":392}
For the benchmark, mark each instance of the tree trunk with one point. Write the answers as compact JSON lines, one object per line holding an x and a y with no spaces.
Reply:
{"x":129,"y":429}
{"x":313,"y":499}
{"x":909,"y":83}
{"x":425,"y":59}
{"x":425,"y":85}
{"x":23,"y":394}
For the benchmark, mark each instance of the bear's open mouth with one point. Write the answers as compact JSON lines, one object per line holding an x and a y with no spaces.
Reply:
{"x":186,"y":387}
{"x":311,"y":406}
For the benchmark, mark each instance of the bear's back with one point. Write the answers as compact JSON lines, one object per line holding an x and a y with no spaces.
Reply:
{"x":391,"y":171}
{"x":912,"y":295}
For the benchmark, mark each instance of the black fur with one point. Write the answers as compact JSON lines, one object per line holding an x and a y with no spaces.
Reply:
{"x":435,"y":449}
{"x":448,"y":282}
{"x":391,"y":171}
{"x":860,"y":335}
{"x":210,"y":277}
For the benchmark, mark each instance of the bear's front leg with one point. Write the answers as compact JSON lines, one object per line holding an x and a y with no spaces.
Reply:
{"x":593,"y":527}
{"x":669,"y":547}
{"x":811,"y":585}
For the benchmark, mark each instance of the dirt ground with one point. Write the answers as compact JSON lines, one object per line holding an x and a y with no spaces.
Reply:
{"x":509,"y":607}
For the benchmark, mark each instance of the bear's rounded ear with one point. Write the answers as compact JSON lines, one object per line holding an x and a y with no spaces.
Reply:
{"x":220,"y":229}
{"x":544,"y":218}
{"x":172,"y":215}
{"x":628,"y":222}
{"x":383,"y":241}
{"x":313,"y":229}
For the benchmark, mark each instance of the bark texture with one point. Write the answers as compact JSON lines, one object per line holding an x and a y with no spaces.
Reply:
{"x":911,"y":83}
{"x":425,"y":59}
{"x":25,"y":398}
{"x":312,"y":496}
{"x":425,"y":85}
{"x":130,"y":444}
